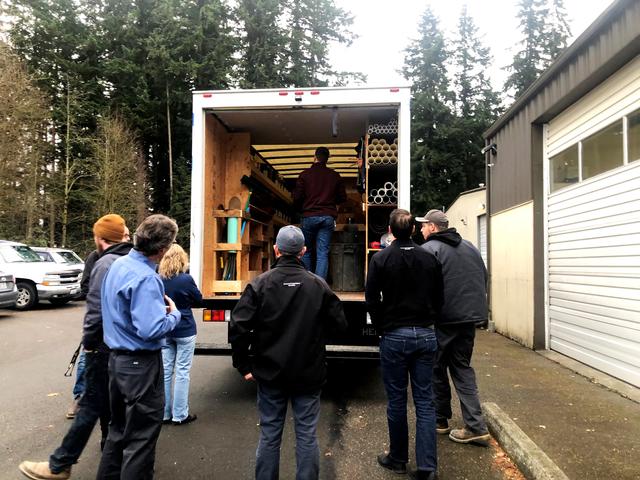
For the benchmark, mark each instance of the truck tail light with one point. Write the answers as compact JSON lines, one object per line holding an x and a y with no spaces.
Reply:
{"x":216,"y":315}
{"x":394,"y":90}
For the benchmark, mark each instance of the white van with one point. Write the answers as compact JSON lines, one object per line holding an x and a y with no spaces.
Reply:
{"x":36,"y":279}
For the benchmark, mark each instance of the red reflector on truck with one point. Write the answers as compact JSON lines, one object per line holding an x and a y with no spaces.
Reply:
{"x":394,"y":90}
{"x":283,"y":94}
{"x":216,"y":315}
{"x":207,"y":95}
{"x":315,"y":92}
{"x":299,"y":92}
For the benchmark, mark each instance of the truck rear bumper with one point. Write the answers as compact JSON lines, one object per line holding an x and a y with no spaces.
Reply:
{"x":342,"y":352}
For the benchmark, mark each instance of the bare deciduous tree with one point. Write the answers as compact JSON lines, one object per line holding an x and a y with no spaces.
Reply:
{"x":120,"y":171}
{"x":24,"y":118}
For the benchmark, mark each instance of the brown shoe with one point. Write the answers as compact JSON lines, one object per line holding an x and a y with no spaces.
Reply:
{"x":464,"y":435}
{"x":442,"y":427}
{"x":41,"y":471}
{"x":73,"y":409}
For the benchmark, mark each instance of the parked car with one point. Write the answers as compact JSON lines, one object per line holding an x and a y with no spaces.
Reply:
{"x":8,"y":290}
{"x":36,"y":279}
{"x":63,"y":256}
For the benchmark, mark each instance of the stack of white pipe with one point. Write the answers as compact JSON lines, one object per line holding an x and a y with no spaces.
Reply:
{"x":382,"y":153}
{"x":385,"y":195}
{"x":390,"y":128}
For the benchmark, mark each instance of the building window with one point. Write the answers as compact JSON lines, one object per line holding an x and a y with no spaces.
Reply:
{"x":564,"y":168}
{"x":633,"y":136}
{"x":602,"y":151}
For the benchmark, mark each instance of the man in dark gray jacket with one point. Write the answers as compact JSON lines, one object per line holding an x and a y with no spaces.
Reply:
{"x":111,"y":239}
{"x":465,"y":305}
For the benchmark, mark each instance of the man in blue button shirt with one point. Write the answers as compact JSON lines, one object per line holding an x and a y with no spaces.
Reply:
{"x":136,"y":317}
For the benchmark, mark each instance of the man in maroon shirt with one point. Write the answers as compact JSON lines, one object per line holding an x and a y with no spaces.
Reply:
{"x":318,"y":191}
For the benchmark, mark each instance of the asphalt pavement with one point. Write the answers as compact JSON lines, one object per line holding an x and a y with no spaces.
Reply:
{"x":37,"y":345}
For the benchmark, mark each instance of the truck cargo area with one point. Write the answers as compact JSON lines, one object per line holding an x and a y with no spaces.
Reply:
{"x":249,"y":149}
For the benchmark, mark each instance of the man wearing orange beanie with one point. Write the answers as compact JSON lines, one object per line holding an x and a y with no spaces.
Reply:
{"x":111,"y":238}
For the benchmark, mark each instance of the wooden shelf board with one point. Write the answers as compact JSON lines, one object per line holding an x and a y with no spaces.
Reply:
{"x":271,"y":185}
{"x":231,"y":213}
{"x":225,"y":247}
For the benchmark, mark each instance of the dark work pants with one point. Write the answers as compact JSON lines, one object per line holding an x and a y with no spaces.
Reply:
{"x":136,"y":389}
{"x":455,"y":347}
{"x":93,"y":405}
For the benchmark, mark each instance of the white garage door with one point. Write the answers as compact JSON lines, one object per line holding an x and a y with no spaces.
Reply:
{"x":594,"y":273}
{"x":593,"y":224}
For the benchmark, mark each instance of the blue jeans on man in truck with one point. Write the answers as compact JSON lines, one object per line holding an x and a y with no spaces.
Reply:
{"x":410,"y":352}
{"x":317,"y":231}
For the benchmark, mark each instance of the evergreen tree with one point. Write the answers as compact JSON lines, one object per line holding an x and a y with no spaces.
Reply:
{"x":558,"y":30}
{"x":432,"y":163}
{"x":545,"y":33}
{"x":263,"y":43}
{"x":312,"y":25}
{"x":477,"y":104}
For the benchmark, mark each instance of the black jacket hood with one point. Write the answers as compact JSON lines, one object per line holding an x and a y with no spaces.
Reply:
{"x":449,"y":236}
{"x":120,"y":249}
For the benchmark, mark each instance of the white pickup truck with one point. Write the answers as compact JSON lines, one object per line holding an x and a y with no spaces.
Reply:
{"x":36,"y":279}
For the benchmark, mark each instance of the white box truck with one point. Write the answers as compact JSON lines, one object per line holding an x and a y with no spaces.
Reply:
{"x":249,"y":146}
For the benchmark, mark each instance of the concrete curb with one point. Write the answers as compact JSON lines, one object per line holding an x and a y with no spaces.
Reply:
{"x":532,"y":461}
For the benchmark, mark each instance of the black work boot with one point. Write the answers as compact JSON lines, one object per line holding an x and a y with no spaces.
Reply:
{"x":390,"y":464}
{"x":424,"y":475}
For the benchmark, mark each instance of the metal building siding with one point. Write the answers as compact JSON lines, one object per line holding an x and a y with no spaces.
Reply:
{"x":594,"y":272}
{"x":612,"y":41}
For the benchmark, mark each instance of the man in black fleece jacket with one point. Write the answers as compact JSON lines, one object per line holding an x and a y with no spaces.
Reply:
{"x":404,"y":297}
{"x":110,"y":233}
{"x":465,"y":305}
{"x":281,"y":318}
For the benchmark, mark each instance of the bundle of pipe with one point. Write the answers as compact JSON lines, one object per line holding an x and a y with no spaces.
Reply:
{"x":382,"y":153}
{"x":384,"y":128}
{"x":386,"y":195}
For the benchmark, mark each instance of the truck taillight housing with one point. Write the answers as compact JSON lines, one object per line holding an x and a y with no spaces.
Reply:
{"x":216,"y":315}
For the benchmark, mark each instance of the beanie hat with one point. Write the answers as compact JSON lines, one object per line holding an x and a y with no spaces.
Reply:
{"x":110,"y":227}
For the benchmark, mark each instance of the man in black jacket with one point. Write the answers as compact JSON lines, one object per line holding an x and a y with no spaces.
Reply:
{"x":404,"y":297}
{"x":109,"y":235}
{"x":282,"y":318}
{"x":465,"y":305}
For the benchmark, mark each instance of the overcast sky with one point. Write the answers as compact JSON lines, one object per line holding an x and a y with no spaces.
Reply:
{"x":386,"y":27}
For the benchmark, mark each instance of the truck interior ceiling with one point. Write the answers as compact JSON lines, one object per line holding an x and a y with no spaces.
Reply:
{"x":252,"y":160}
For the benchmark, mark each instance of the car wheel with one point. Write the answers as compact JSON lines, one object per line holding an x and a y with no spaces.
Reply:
{"x":59,"y":301}
{"x":27,"y":296}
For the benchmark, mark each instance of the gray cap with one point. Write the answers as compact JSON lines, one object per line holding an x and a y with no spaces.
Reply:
{"x":290,"y":240}
{"x":434,"y":216}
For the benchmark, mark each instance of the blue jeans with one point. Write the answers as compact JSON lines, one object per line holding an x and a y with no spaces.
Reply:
{"x":78,"y":387}
{"x":272,"y":406}
{"x":177,"y":355}
{"x":410,"y":351}
{"x":318,"y":230}
{"x":93,"y":406}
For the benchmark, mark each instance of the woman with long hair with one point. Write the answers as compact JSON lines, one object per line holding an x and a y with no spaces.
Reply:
{"x":177,"y":354}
